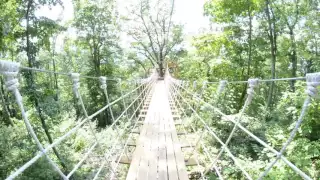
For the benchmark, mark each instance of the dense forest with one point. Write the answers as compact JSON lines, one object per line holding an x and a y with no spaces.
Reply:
{"x":265,"y":39}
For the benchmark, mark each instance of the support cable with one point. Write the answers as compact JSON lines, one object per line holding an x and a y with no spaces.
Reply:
{"x":63,"y":73}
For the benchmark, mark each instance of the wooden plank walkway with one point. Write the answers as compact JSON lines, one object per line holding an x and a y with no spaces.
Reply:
{"x":158,"y":152}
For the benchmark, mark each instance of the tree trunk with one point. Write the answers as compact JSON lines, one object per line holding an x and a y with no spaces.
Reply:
{"x":250,"y":42}
{"x":293,"y":59}
{"x":56,"y":87}
{"x":31,"y":84}
{"x":273,"y":50}
{"x":161,"y":69}
{"x":6,"y":113}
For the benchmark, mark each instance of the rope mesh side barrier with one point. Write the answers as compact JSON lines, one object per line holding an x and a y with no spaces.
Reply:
{"x":210,"y":131}
{"x":116,"y":140}
{"x":296,"y":169}
{"x":134,"y":126}
{"x":76,"y":85}
{"x":200,"y":140}
{"x":173,"y":97}
{"x":313,"y":80}
{"x":252,"y":84}
{"x":10,"y":71}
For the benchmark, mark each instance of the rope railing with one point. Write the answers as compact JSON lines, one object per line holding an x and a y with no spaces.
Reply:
{"x":130,"y":135}
{"x":175,"y":89}
{"x":260,"y":80}
{"x":119,"y":136}
{"x":172,"y":96}
{"x":63,"y":73}
{"x":200,"y":140}
{"x":116,"y":140}
{"x":10,"y":71}
{"x":313,"y":80}
{"x":210,"y":131}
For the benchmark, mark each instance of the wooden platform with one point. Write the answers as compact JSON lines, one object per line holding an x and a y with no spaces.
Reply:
{"x":158,"y":153}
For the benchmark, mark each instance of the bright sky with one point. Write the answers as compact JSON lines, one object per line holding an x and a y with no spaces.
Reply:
{"x":187,"y":12}
{"x":190,"y":14}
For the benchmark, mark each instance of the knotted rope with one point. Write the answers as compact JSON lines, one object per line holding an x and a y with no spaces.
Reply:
{"x":75,"y":77}
{"x":10,"y":71}
{"x":222,"y":86}
{"x":313,"y":81}
{"x":252,"y":83}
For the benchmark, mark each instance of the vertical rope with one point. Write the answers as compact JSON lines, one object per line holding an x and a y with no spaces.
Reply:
{"x":10,"y":71}
{"x":75,"y":77}
{"x":103,"y":81}
{"x":222,"y":86}
{"x":123,"y":102}
{"x":250,"y":91}
{"x":218,"y":93}
{"x":194,"y":85}
{"x":203,"y":88}
{"x":313,"y":81}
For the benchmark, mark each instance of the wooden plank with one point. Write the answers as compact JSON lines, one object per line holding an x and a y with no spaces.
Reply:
{"x":135,"y":163}
{"x":191,"y":162}
{"x":158,"y":153}
{"x":162,"y":162}
{"x":125,"y":160}
{"x":172,"y":166}
{"x":183,"y":174}
{"x":144,"y":164}
{"x":153,"y":159}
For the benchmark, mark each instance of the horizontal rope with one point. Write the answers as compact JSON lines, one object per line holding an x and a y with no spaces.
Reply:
{"x":64,"y":73}
{"x":260,"y":80}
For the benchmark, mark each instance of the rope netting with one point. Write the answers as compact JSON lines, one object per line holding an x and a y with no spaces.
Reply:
{"x":10,"y":71}
{"x":186,"y":98}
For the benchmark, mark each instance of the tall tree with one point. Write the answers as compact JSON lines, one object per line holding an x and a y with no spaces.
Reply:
{"x":154,"y":33}
{"x":38,"y":32}
{"x":96,"y":24}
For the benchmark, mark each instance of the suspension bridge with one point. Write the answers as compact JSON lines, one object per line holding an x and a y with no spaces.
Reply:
{"x":160,"y":108}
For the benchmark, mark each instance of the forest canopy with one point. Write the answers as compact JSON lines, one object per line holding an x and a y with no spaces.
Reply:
{"x":265,"y":39}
